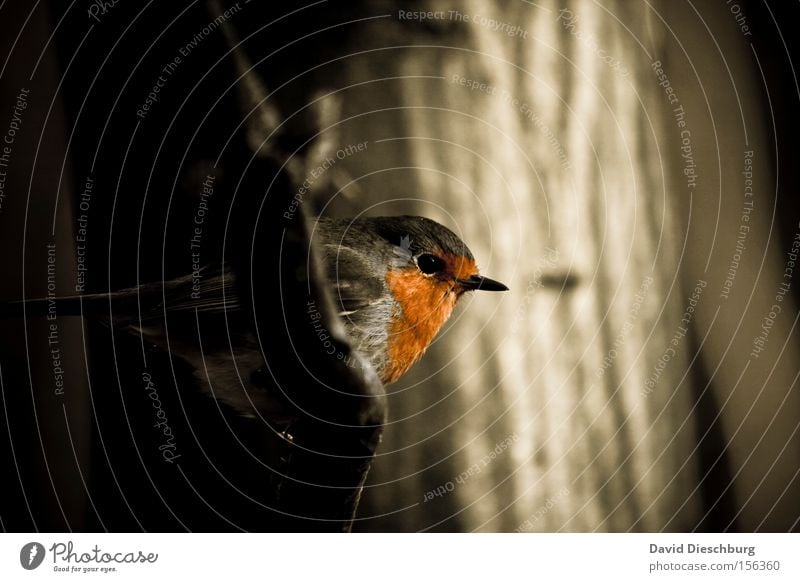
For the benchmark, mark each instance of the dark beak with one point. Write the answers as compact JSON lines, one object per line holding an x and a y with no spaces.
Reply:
{"x":481,"y":283}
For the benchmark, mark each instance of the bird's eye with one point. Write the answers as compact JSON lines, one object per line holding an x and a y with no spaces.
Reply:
{"x":430,"y":264}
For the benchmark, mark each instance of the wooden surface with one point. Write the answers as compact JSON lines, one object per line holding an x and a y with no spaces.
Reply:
{"x":574,"y":195}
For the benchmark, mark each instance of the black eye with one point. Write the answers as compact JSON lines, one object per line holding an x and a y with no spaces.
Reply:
{"x":430,"y":264}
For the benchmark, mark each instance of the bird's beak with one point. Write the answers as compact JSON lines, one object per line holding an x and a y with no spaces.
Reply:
{"x":481,"y":283}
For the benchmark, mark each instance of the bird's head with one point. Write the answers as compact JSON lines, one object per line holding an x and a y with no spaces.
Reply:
{"x":431,"y":256}
{"x":429,"y":269}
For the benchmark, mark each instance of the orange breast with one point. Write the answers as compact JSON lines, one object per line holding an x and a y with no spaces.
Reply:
{"x":426,"y":303}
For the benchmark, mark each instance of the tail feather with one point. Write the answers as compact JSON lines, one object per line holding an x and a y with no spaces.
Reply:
{"x":90,"y":305}
{"x":211,"y":290}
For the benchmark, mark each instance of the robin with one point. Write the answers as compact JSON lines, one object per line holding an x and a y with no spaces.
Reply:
{"x":395,"y":281}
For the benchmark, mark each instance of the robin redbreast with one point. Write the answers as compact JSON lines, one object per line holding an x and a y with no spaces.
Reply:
{"x":395,"y":282}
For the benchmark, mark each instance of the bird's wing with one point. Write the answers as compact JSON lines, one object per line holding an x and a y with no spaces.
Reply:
{"x":198,"y":318}
{"x":209,"y":290}
{"x":353,"y":289}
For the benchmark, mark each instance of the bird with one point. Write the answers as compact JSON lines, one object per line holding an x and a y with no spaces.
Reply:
{"x":394,"y":281}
